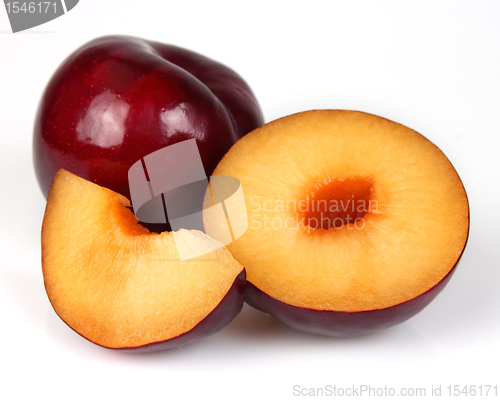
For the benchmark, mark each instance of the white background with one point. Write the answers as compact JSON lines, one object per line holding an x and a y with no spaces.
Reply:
{"x":431,"y":65}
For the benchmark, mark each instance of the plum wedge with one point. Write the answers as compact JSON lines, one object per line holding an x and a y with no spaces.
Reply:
{"x":122,"y":287}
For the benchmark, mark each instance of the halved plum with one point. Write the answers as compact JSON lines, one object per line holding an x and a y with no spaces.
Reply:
{"x":355,"y":222}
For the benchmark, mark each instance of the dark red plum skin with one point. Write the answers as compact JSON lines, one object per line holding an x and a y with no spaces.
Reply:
{"x":228,"y":308}
{"x":118,"y":98}
{"x":341,"y":323}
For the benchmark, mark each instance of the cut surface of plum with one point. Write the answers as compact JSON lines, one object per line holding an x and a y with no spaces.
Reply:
{"x":120,"y":286}
{"x":348,"y":212}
